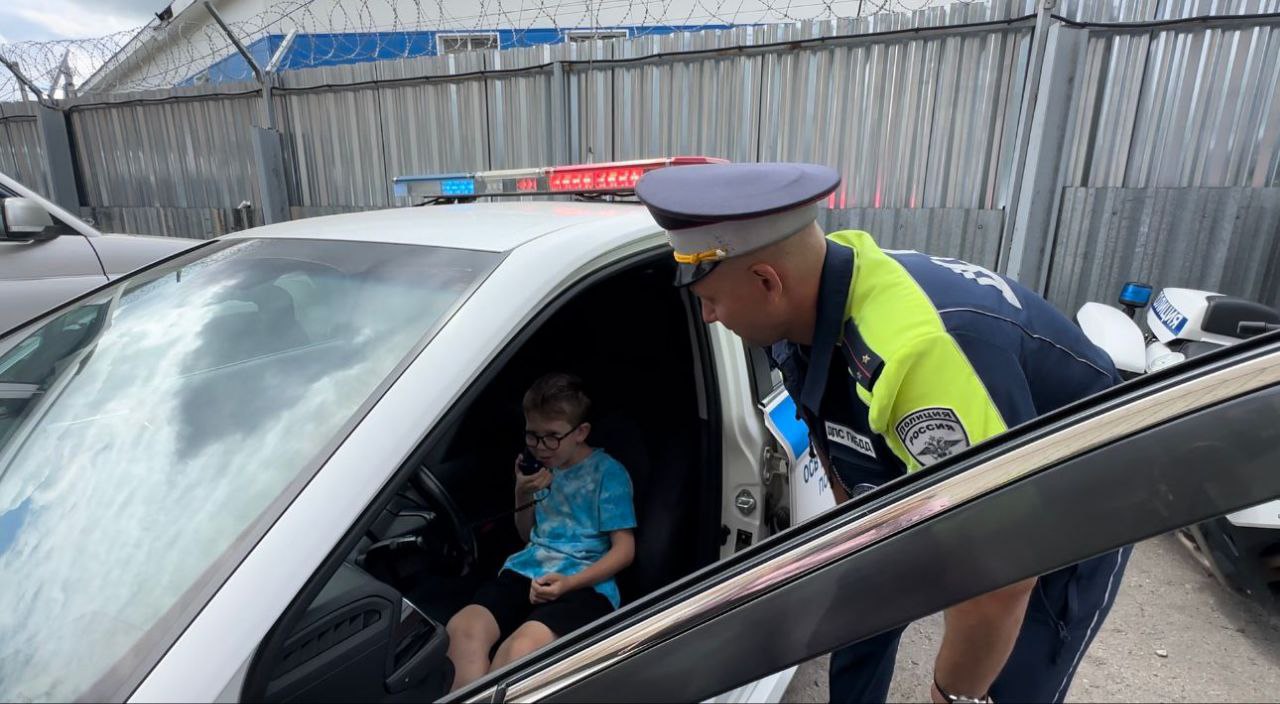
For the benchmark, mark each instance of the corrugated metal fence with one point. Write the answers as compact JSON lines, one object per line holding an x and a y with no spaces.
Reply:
{"x":1171,"y":163}
{"x":970,"y":234}
{"x":932,"y":131}
{"x":173,"y":168}
{"x":923,"y":114}
{"x":21,"y":148}
{"x":1219,"y":239}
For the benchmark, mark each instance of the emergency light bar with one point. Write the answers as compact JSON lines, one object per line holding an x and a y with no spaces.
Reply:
{"x":609,"y":178}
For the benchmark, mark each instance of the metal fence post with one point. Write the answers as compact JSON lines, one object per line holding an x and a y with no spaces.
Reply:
{"x":268,"y":157}
{"x":559,"y":123}
{"x":268,"y":142}
{"x":268,"y":145}
{"x":60,"y":164}
{"x":1035,"y":185}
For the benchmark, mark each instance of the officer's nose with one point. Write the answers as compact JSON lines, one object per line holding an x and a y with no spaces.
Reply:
{"x":708,"y":313}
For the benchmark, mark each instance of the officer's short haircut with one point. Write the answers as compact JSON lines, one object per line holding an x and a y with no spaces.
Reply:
{"x":558,"y":396}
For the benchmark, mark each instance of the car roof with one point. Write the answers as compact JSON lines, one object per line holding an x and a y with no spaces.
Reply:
{"x":485,"y":226}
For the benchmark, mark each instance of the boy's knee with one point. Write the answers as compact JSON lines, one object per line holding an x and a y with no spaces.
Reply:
{"x":474,"y":625}
{"x":528,"y":638}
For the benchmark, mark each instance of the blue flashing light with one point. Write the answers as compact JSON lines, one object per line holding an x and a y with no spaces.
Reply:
{"x":1135,"y":294}
{"x":458,"y":187}
{"x":455,"y":185}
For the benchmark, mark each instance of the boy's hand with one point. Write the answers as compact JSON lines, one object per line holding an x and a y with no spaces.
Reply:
{"x":548,"y":588}
{"x":529,"y":484}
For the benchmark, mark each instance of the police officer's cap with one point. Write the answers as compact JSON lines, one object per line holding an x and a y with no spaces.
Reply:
{"x":716,"y":211}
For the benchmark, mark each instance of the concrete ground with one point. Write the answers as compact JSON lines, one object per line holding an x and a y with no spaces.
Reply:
{"x":1174,"y":635}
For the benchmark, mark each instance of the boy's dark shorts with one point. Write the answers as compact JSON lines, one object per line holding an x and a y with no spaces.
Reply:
{"x":507,"y":598}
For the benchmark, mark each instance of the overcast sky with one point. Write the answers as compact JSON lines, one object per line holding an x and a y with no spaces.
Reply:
{"x":42,"y":20}
{"x":22,"y":20}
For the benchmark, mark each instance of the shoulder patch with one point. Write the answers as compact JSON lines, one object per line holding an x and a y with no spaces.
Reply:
{"x":931,"y":434}
{"x":864,"y":363}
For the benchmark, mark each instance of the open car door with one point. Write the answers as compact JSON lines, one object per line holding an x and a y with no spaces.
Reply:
{"x":1139,"y":460}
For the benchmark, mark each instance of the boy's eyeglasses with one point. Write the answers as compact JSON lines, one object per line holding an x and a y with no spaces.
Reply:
{"x":551,"y":441}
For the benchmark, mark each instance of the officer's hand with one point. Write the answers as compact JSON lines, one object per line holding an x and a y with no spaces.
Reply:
{"x":529,"y":484}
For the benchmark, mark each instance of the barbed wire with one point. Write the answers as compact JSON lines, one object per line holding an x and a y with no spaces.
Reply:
{"x":189,"y":48}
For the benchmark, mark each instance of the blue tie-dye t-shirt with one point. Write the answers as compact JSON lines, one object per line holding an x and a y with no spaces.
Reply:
{"x":574,"y":517}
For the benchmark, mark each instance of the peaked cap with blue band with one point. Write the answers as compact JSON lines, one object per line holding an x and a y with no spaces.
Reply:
{"x":716,"y":211}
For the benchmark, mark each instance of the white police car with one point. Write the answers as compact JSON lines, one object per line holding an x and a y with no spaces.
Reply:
{"x":271,"y":467}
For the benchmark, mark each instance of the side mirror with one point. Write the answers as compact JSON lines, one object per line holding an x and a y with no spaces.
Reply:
{"x":25,"y":220}
{"x":1253,"y":328}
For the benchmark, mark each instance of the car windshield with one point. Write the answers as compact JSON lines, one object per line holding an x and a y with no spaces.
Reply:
{"x":150,"y":432}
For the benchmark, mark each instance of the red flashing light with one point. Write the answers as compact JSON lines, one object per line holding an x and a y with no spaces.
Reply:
{"x":617,"y":176}
{"x":596,"y":179}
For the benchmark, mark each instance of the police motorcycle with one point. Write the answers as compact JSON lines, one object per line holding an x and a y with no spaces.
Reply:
{"x":1241,"y":550}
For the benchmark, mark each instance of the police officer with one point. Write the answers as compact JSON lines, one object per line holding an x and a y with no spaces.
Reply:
{"x":896,"y":360}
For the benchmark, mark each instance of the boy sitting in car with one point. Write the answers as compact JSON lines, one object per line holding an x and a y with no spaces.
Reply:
{"x":576,"y":514}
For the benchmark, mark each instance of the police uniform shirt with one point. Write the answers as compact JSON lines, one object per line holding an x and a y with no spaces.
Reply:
{"x":915,"y":358}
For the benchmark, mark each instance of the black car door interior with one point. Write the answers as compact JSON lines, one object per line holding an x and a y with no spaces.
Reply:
{"x":360,"y":641}
{"x":1143,"y":459}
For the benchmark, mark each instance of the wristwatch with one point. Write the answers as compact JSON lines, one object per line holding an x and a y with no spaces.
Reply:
{"x":961,"y":698}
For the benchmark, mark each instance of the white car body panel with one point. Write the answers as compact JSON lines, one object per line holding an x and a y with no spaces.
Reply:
{"x":1178,"y":314}
{"x":811,"y":492}
{"x":121,"y":254}
{"x":768,"y":689}
{"x":742,"y":436}
{"x":555,"y":244}
{"x":25,"y":299}
{"x":490,"y":227}
{"x":1261,"y":516}
{"x":1116,"y":333}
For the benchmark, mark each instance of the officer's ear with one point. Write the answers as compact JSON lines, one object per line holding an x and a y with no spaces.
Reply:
{"x":767,"y":277}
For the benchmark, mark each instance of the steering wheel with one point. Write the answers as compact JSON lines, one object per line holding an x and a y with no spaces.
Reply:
{"x":431,"y":489}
